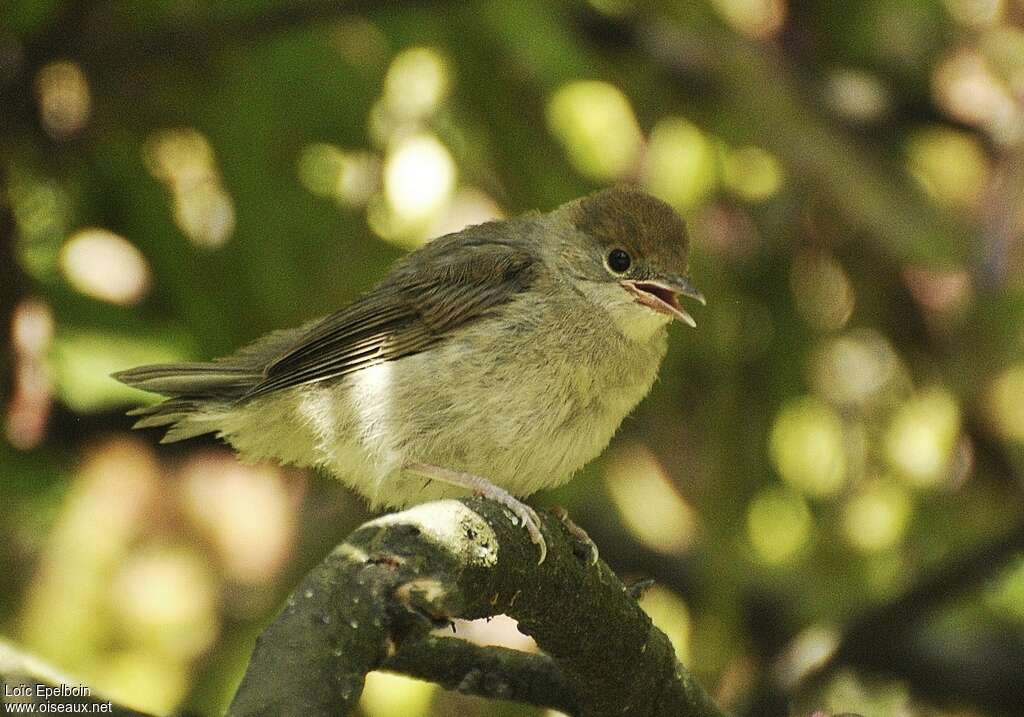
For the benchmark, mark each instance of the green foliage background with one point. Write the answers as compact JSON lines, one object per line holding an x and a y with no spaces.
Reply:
{"x":846,"y":423}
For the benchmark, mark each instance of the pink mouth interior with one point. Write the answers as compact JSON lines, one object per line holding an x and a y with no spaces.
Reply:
{"x":660,"y":293}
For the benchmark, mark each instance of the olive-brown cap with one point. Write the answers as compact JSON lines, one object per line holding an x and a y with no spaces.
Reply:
{"x":628,"y":217}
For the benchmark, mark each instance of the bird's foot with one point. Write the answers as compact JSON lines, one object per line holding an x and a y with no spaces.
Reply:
{"x":482,"y":487}
{"x":585,"y":547}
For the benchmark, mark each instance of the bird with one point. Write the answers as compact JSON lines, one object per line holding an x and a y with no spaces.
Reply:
{"x":499,"y":360}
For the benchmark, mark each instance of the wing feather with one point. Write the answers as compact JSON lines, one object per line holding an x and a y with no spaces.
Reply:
{"x":435,"y":291}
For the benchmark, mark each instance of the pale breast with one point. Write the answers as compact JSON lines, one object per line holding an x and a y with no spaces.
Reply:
{"x":524,"y":403}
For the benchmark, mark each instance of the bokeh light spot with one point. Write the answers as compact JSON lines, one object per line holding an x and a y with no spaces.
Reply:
{"x":938,"y":291}
{"x":416,"y":82}
{"x":968,"y":88}
{"x":100,"y":519}
{"x":105,"y":266}
{"x":822,"y":291}
{"x":975,"y":13}
{"x":809,"y":650}
{"x":183,"y":159}
{"x":244,"y":510}
{"x":920,"y":440}
{"x":1006,"y":593}
{"x":649,"y":505}
{"x":31,"y":396}
{"x":386,"y":694}
{"x":1005,"y":403}
{"x":807,"y":447}
{"x":669,"y":613}
{"x":756,"y":18}
{"x":752,"y":173}
{"x":876,"y":516}
{"x":166,"y":599}
{"x":779,"y":525}
{"x":319,"y":167}
{"x":144,"y":680}
{"x":469,"y":206}
{"x":1003,"y":50}
{"x":855,"y":369}
{"x":419,"y":179}
{"x":595,"y":124}
{"x":950,"y":164}
{"x":857,"y":96}
{"x":680,"y":162}
{"x":350,"y":178}
{"x":359,"y":41}
{"x":64,"y":101}
{"x":726,"y":232}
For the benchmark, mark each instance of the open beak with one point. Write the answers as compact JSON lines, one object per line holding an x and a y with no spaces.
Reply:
{"x":663,"y":294}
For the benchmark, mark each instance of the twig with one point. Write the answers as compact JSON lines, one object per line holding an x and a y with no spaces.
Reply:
{"x":492,"y":672}
{"x":22,"y":675}
{"x":967,"y":572}
{"x":986,"y":669}
{"x":399,"y":576}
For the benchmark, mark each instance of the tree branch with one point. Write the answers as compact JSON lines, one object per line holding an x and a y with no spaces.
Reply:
{"x":493,"y":672}
{"x":983,"y":668}
{"x":399,"y":576}
{"x":860,"y":643}
{"x":22,"y":676}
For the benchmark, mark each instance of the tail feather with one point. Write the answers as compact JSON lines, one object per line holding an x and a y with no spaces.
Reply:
{"x":192,"y":389}
{"x":214,"y":380}
{"x":164,"y":414}
{"x":198,"y":394}
{"x":185,"y":405}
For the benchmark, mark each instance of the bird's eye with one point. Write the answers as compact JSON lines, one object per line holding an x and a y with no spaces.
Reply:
{"x":618,"y":261}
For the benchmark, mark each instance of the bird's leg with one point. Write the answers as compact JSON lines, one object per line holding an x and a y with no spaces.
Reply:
{"x":578,"y":534}
{"x":482,"y":487}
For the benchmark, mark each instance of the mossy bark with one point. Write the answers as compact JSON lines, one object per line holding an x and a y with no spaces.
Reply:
{"x":370,"y":604}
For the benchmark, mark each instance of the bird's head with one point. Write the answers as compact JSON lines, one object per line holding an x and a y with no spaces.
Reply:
{"x":629,"y":252}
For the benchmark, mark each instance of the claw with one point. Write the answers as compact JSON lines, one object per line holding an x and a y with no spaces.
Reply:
{"x":527,"y":516}
{"x":583,"y":541}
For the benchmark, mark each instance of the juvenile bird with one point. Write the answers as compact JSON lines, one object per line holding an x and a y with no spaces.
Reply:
{"x":499,"y":359}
